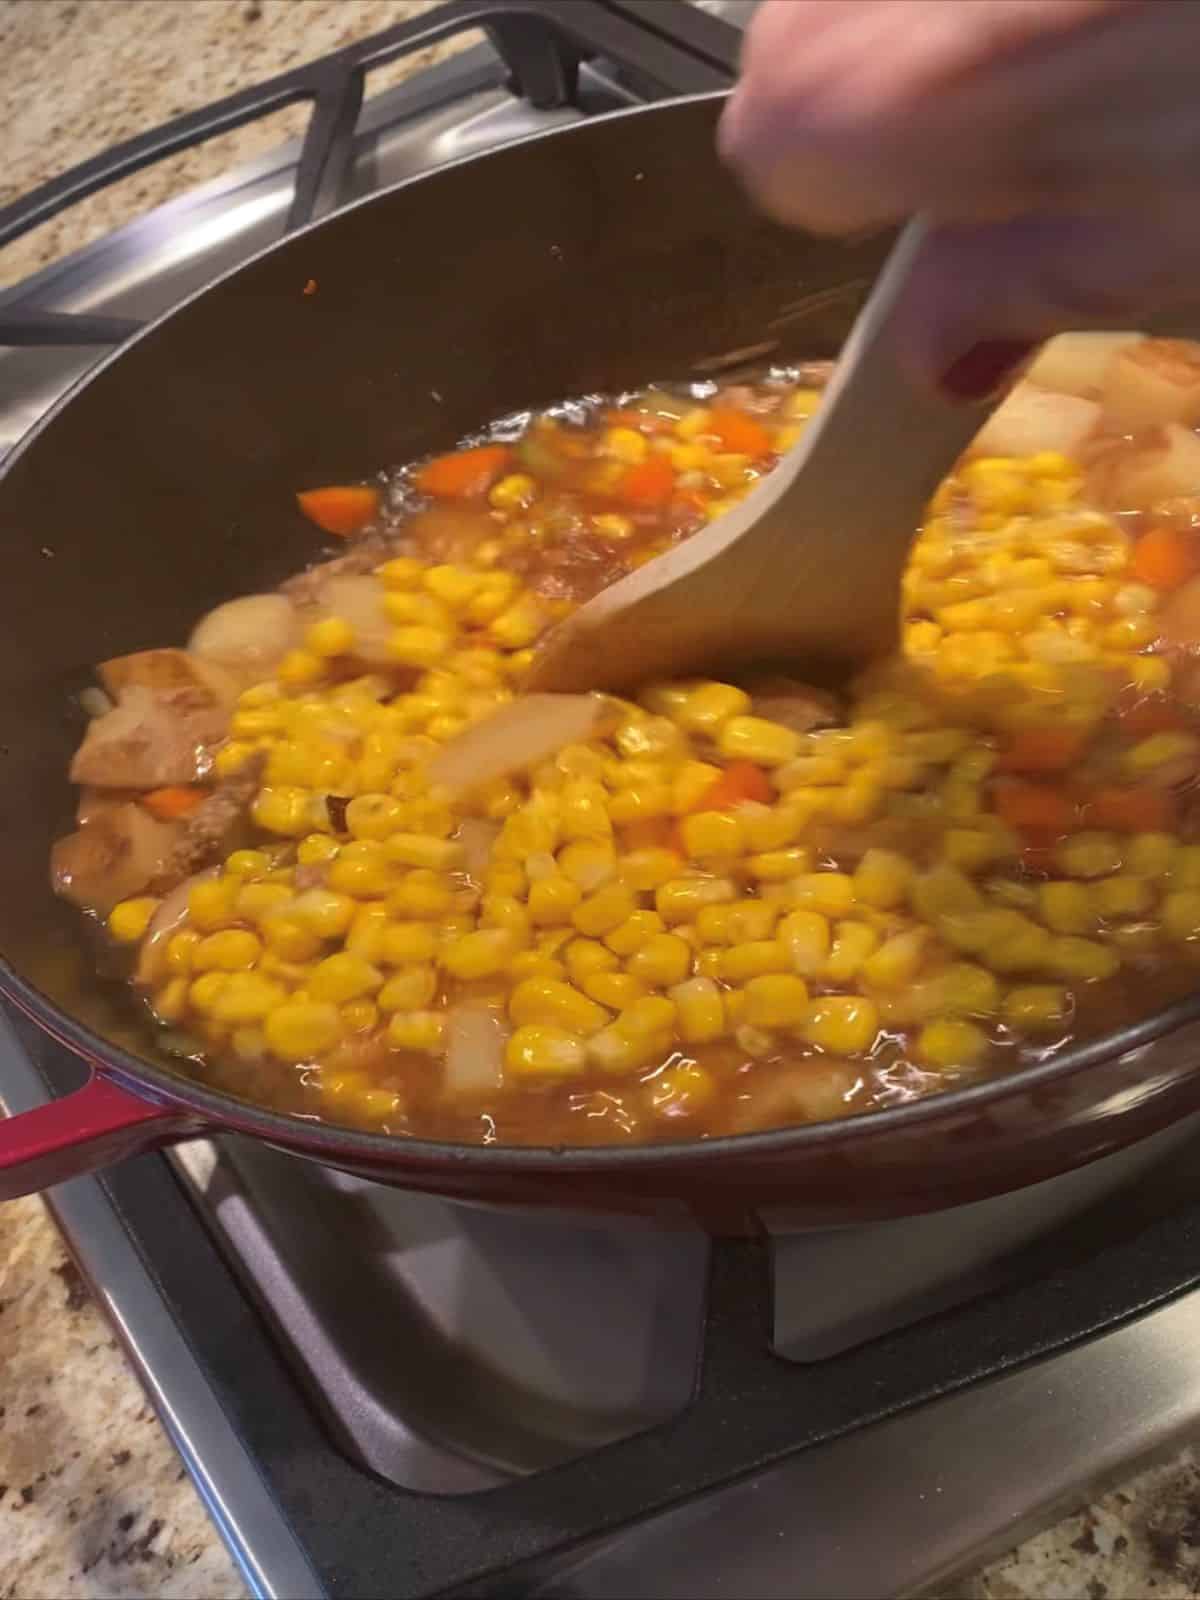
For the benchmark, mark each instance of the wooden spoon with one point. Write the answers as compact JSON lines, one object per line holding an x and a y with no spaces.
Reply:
{"x":806,"y":569}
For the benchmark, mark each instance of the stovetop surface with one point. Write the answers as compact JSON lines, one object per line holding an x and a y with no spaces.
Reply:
{"x":422,"y":1414}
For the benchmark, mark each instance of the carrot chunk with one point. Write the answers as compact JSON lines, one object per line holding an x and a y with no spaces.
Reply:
{"x":173,"y":802}
{"x":341,"y":508}
{"x":740,"y":781}
{"x":650,"y":483}
{"x":1164,"y":559}
{"x":1034,"y":806}
{"x":464,"y":473}
{"x":1042,"y":750}
{"x":1133,"y":810}
{"x":739,"y":433}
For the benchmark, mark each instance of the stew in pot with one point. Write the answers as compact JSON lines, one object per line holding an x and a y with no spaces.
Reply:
{"x":357,"y":875}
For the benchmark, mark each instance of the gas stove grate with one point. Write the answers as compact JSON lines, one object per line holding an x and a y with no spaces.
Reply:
{"x":675,"y":50}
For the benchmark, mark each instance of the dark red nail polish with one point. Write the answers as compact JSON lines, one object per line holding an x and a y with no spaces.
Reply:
{"x":985,"y":367}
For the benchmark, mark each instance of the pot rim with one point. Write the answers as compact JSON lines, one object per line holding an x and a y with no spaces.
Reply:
{"x":150,"y":1081}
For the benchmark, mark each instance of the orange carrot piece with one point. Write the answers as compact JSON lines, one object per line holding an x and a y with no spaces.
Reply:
{"x":1134,"y":810}
{"x":740,"y":781}
{"x":464,"y":473}
{"x":650,"y":483}
{"x":1164,"y":559}
{"x":1042,"y":750}
{"x":739,"y":433}
{"x":1036,"y":806}
{"x":173,"y":802}
{"x":341,"y":509}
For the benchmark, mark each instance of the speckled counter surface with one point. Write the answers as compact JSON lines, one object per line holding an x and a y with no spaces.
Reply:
{"x":93,"y":1501}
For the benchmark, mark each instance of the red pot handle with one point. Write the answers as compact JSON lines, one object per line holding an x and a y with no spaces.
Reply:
{"x":93,"y":1127}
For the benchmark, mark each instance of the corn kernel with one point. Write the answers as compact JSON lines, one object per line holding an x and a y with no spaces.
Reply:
{"x":424,"y":1031}
{"x":553,"y":899}
{"x":481,"y":954}
{"x":779,"y":866}
{"x":682,"y":1089}
{"x":950,"y":1042}
{"x":231,"y":950}
{"x":1185,"y":867}
{"x":770,"y":744}
{"x":778,"y":1000}
{"x":943,"y":891}
{"x":841,"y":1024}
{"x":584,"y":957}
{"x":882,"y":878}
{"x":231,"y":757}
{"x":541,"y":1050}
{"x":283,"y":809}
{"x":170,"y":1002}
{"x":663,"y":960}
{"x":614,"y":989}
{"x":1124,"y":895}
{"x":853,"y":942}
{"x":361,"y":870}
{"x":633,"y":932}
{"x":708,"y":834}
{"x":691,"y":784}
{"x":316,"y":848}
{"x":897,"y":961}
{"x":344,"y":976}
{"x":1038,"y":1008}
{"x":181,"y":950}
{"x":604,"y":910}
{"x":549,"y":1000}
{"x":411,"y":989}
{"x":1181,"y":914}
{"x":1089,"y":855}
{"x":419,"y":646}
{"x":806,"y":937}
{"x":513,"y":493}
{"x":1071,"y":957}
{"x":129,"y":919}
{"x":332,"y":636}
{"x":706,"y":707}
{"x":399,"y":943}
{"x":211,"y":903}
{"x":700,"y":1010}
{"x":328,"y":914}
{"x":1067,"y":907}
{"x":425,"y":895}
{"x":287,"y":940}
{"x":247,"y":997}
{"x":831,"y":893}
{"x":1159,"y":749}
{"x":523,"y":622}
{"x":300,"y":1030}
{"x":755,"y":958}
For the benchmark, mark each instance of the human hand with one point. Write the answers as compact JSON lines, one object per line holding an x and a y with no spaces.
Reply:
{"x":1053,"y":144}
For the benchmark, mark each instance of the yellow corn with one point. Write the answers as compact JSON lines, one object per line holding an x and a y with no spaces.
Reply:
{"x":541,"y":1050}
{"x":663,"y":960}
{"x":680,"y":899}
{"x":882,"y":878}
{"x":897,"y":961}
{"x":231,"y":950}
{"x":332,"y":636}
{"x":302,"y":1030}
{"x":755,"y":958}
{"x":617,"y":990}
{"x":552,"y":1001}
{"x":1067,"y":907}
{"x":553,"y":899}
{"x":604,"y":910}
{"x":1038,"y":1008}
{"x":806,"y":937}
{"x":481,"y":954}
{"x":831,"y":893}
{"x":1072,"y":957}
{"x":853,"y":942}
{"x":423,"y":1031}
{"x":700,"y":1010}
{"x":410,"y":989}
{"x":777,"y":1000}
{"x":711,"y":834}
{"x":841,"y":1024}
{"x":756,"y":739}
{"x":950,"y":1042}
{"x":129,"y":919}
{"x":634,"y":932}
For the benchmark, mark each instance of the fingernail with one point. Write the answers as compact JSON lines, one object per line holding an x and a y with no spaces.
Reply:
{"x":985,"y":368}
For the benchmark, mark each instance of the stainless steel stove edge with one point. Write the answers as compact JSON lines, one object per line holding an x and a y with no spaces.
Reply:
{"x":243,"y":1509}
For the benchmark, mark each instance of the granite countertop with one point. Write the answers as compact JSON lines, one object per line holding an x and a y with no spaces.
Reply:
{"x":93,"y":1500}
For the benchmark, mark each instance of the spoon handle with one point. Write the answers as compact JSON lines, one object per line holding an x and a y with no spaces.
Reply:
{"x":881,"y":441}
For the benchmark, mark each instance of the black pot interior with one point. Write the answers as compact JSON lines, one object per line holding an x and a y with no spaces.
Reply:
{"x":591,"y":259}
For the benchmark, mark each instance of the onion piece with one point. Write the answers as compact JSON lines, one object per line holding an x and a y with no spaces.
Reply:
{"x":248,"y":636}
{"x":477,"y":838}
{"x":1078,"y":363}
{"x":516,"y":737}
{"x":1034,"y":419}
{"x":476,"y":1034}
{"x":1162,"y":464}
{"x":168,"y":917}
{"x":1152,"y":382}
